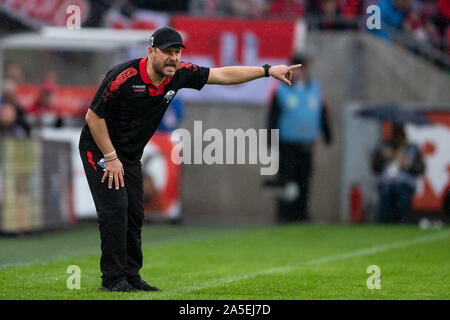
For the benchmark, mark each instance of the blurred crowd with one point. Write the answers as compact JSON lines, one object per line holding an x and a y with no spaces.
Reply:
{"x":328,"y":9}
{"x":424,"y":20}
{"x":15,"y":120}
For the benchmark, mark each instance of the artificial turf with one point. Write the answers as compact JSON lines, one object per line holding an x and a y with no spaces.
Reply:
{"x":272,"y":262}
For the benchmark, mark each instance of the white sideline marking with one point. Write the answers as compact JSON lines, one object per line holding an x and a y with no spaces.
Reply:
{"x":284,"y":269}
{"x":17,"y":265}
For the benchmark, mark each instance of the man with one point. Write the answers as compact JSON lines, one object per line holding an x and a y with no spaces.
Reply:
{"x":123,"y":116}
{"x":9,"y":94}
{"x":397,"y":164}
{"x":9,"y":126}
{"x":300,"y":114}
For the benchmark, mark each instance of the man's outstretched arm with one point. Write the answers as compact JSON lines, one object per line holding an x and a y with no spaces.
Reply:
{"x":241,"y":74}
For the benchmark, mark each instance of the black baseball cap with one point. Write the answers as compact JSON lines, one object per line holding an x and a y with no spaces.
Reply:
{"x":165,"y":37}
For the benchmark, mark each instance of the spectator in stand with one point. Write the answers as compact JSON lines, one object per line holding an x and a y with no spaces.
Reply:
{"x":397,"y":164}
{"x":8,"y":122}
{"x":247,"y":8}
{"x":420,"y":28}
{"x":97,"y":10}
{"x":350,"y":9}
{"x":162,"y":5}
{"x":14,"y":72}
{"x":442,"y":20}
{"x":288,"y":8}
{"x":9,"y":90}
{"x":393,"y":14}
{"x":43,"y":113}
{"x":208,"y":7}
{"x":335,"y":14}
{"x":9,"y":95}
{"x":331,"y":17}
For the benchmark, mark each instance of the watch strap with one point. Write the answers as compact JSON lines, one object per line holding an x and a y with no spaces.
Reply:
{"x":266,"y":70}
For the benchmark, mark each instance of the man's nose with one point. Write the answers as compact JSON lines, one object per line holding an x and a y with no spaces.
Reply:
{"x":173,"y":55}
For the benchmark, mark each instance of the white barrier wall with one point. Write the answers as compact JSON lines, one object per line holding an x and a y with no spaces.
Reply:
{"x":83,"y":203}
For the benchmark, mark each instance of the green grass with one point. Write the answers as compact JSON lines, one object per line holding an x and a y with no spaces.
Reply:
{"x":274,"y":262}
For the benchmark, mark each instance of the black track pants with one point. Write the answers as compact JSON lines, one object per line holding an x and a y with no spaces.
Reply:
{"x":120,"y":216}
{"x":296,"y":166}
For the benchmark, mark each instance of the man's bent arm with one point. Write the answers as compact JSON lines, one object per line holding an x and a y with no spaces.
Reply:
{"x":99,"y":131}
{"x":113,"y":168}
{"x":241,"y":74}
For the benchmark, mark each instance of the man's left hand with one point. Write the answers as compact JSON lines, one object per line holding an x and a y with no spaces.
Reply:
{"x":283,"y":73}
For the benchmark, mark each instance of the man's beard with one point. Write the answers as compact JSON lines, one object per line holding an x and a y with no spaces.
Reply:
{"x":159,"y":69}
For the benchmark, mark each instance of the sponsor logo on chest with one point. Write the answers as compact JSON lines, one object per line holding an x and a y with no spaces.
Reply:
{"x":139,"y":88}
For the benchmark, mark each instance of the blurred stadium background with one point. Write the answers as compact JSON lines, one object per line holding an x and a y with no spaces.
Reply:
{"x":50,"y":73}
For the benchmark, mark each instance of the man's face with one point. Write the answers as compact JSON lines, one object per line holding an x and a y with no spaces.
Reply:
{"x":9,"y":90}
{"x":329,"y":6}
{"x":165,"y":61}
{"x":398,"y":136}
{"x":8,"y":115}
{"x":46,"y":98}
{"x":301,"y":74}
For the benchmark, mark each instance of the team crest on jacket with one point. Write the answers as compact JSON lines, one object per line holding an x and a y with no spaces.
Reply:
{"x":169,"y":96}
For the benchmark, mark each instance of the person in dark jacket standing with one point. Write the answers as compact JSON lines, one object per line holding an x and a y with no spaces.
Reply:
{"x":397,"y":165}
{"x":300,"y":114}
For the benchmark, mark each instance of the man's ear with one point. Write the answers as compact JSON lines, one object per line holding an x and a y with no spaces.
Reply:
{"x":151,"y":51}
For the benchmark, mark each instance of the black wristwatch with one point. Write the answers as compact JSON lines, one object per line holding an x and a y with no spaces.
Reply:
{"x":266,"y":70}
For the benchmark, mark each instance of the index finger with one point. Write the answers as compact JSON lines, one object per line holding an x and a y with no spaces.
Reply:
{"x":104,"y":176}
{"x":295,"y":66}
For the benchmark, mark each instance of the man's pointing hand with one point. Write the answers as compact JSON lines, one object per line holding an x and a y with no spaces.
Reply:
{"x":283,"y":73}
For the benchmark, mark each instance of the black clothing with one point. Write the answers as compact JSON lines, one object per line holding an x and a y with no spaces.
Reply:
{"x":141,"y":285}
{"x":295,"y":165}
{"x":121,"y":286}
{"x":120,"y":216}
{"x":133,"y":107}
{"x":379,"y":162}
